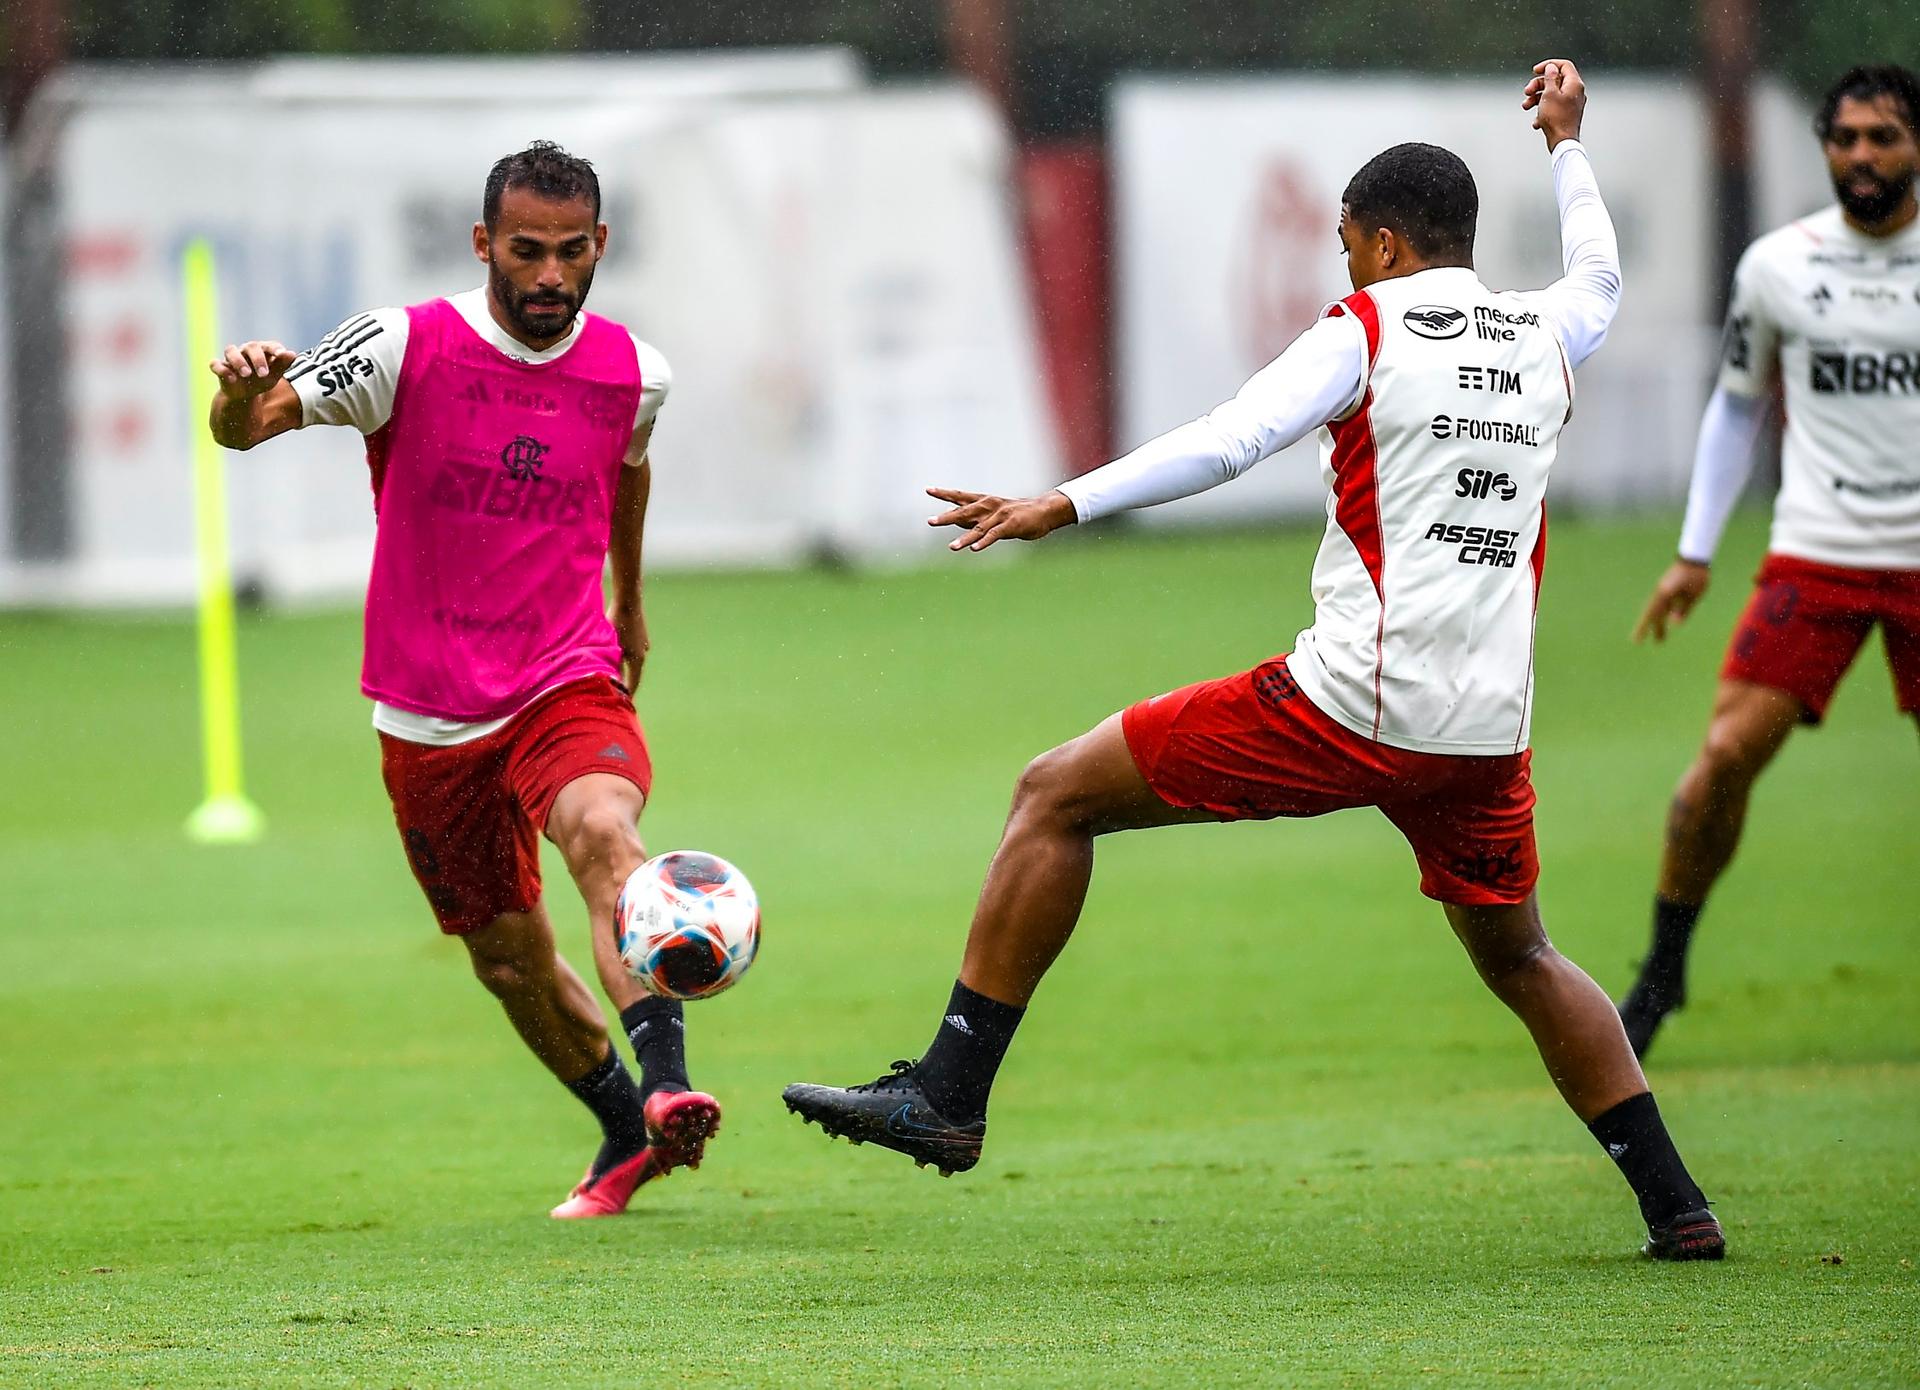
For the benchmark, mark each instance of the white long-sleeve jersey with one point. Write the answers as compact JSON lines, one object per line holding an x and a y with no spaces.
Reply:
{"x":1440,"y":403}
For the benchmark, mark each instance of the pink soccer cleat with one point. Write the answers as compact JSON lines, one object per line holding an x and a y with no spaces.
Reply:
{"x":679,"y":1123}
{"x":609,"y":1194}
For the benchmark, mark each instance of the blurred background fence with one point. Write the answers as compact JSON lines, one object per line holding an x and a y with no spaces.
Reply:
{"x":978,"y":241}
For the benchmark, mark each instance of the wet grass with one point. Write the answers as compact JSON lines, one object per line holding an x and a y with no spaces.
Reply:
{"x":257,"y":1126}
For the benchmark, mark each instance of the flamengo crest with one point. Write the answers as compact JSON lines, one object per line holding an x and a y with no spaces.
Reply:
{"x":522,"y":457}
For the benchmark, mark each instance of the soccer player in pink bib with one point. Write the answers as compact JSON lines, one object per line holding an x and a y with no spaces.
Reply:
{"x":506,"y":435}
{"x":1440,"y":403}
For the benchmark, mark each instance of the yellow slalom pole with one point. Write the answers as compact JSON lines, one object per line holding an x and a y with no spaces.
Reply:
{"x":225,"y":817}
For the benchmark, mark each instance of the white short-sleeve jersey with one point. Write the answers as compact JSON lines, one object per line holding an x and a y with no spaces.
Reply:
{"x":1427,"y":578}
{"x":349,"y":377}
{"x":1837,"y":313}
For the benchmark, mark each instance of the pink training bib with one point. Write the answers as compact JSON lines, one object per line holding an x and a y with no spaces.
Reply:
{"x":493,"y":483}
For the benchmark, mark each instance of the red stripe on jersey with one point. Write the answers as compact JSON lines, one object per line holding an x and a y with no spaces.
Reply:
{"x":1356,"y":483}
{"x":1566,"y":379}
{"x":1360,"y":304}
{"x":1356,"y":488}
{"x":1539,"y":560}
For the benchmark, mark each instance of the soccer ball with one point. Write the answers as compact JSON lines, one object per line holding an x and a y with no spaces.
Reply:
{"x":688,"y":924}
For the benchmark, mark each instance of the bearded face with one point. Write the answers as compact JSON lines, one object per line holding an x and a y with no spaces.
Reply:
{"x":1872,"y":157}
{"x":540,"y":256}
{"x":541,"y":312}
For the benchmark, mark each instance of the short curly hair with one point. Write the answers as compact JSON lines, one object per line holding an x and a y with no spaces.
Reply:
{"x":1866,"y":82}
{"x":1423,"y":192}
{"x":546,"y":169}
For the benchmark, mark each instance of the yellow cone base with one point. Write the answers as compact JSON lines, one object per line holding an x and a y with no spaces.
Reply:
{"x":226,"y":820}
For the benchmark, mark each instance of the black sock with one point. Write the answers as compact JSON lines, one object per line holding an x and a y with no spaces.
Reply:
{"x":615,"y":1101}
{"x":658,"y":1031}
{"x":1636,"y":1139}
{"x":1665,"y":970}
{"x":957,"y":1072}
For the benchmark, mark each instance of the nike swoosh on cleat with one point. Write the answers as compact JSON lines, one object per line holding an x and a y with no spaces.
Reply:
{"x":901,"y":1125}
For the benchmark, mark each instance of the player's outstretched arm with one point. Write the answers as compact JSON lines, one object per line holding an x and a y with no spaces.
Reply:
{"x":984,"y":518}
{"x":1582,"y":303}
{"x":254,"y":401}
{"x":1317,"y":379}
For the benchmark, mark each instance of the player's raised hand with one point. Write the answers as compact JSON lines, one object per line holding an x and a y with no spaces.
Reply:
{"x":1558,"y":99}
{"x":1680,"y":588}
{"x":250,"y":369}
{"x":984,"y":518}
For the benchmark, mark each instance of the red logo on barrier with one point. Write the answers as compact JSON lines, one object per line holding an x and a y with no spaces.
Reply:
{"x":1278,"y":289}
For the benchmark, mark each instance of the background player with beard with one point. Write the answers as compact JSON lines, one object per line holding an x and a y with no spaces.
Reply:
{"x":1833,"y":303}
{"x":1412,"y":691}
{"x":507,"y":435}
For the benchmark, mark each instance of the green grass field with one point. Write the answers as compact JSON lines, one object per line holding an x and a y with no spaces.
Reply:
{"x":258,"y":1127}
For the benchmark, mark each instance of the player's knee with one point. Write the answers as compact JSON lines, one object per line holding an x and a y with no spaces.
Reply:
{"x":1516,"y":970}
{"x":510,"y":968}
{"x":1731,"y":757}
{"x":598,"y":835}
{"x":1046,"y":790}
{"x":504,"y":976}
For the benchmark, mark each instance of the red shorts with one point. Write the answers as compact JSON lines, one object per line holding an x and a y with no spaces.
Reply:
{"x":470,"y":815}
{"x":1807,"y":621}
{"x":1252,"y":746}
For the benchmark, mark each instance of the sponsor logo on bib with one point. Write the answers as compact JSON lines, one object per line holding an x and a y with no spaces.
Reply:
{"x":1435,"y":321}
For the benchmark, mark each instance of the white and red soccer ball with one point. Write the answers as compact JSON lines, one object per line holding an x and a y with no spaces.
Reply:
{"x":688,"y":924}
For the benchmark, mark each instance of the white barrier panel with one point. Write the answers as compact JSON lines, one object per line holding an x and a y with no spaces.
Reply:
{"x":833,"y":279}
{"x":1228,"y":192}
{"x":6,"y":376}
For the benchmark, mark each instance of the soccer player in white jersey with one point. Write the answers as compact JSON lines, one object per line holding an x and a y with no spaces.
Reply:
{"x":1830,"y":305}
{"x":1441,"y":402}
{"x":507,"y":436}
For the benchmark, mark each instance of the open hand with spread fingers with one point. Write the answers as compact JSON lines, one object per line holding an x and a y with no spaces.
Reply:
{"x":984,"y":518}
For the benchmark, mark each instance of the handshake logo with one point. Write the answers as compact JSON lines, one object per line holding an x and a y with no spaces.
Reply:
{"x":1435,"y":321}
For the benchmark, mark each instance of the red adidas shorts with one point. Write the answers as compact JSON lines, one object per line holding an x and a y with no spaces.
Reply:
{"x":1806,"y":622}
{"x":470,"y":815}
{"x":1252,"y":747}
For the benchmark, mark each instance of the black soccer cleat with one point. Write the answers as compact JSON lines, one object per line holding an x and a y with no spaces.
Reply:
{"x":894,"y":1113}
{"x":1643,"y":1011}
{"x":1694,"y":1235}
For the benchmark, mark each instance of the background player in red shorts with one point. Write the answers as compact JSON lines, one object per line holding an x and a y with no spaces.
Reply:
{"x":1833,"y":303}
{"x":507,"y":437}
{"x":1412,"y":691}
